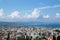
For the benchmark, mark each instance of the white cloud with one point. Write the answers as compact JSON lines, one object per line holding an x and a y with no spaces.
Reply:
{"x":46,"y":16}
{"x":1,"y":12}
{"x":14,"y":14}
{"x":57,"y":14}
{"x":35,"y":14}
{"x":47,"y":7}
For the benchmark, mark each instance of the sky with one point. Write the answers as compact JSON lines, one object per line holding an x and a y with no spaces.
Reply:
{"x":30,"y":10}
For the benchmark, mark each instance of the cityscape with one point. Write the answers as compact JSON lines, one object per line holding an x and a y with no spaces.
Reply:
{"x":29,"y":33}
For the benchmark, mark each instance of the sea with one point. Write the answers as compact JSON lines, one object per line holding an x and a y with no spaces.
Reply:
{"x":30,"y":24}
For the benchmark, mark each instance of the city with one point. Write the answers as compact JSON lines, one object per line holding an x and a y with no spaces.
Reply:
{"x":29,"y":33}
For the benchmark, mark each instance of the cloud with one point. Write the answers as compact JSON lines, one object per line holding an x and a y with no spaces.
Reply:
{"x":46,"y":16}
{"x":35,"y":14}
{"x":57,"y":15}
{"x":47,"y":7}
{"x":14,"y":14}
{"x":1,"y":12}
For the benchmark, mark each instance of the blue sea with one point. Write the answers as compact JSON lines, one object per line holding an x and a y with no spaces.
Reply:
{"x":30,"y":24}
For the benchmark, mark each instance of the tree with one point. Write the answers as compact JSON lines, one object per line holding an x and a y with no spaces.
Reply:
{"x":8,"y":38}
